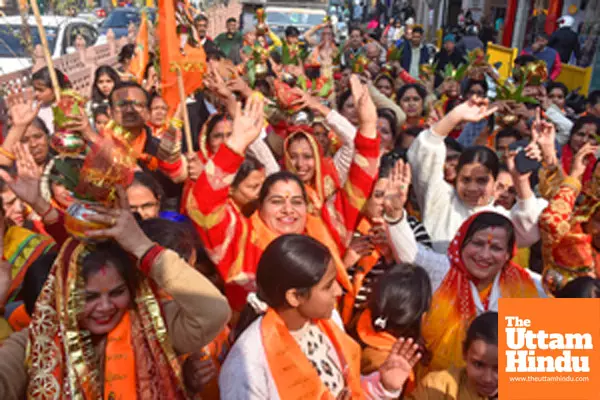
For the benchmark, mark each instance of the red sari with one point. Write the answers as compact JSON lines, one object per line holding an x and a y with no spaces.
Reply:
{"x":235,"y":243}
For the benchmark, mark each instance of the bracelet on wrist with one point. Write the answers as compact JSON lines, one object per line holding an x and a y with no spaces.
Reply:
{"x":7,"y":154}
{"x":47,"y":212}
{"x":392,"y":221}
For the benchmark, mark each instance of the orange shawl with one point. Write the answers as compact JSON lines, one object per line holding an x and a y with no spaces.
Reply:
{"x":381,"y":341}
{"x":139,"y":360}
{"x":453,"y":307}
{"x":294,"y":375}
{"x":365,"y":265}
{"x":326,"y":180}
{"x":262,"y":236}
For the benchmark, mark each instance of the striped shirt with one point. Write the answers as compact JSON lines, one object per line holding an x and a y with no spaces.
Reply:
{"x":383,"y":265}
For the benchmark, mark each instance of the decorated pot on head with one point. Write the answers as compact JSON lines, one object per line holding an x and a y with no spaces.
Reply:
{"x":110,"y":163}
{"x":261,"y":26}
{"x":65,"y":141}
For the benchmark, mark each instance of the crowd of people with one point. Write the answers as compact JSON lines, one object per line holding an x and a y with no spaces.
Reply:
{"x":343,"y":227}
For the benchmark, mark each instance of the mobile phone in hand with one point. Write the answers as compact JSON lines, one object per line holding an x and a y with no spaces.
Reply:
{"x":524,"y":164}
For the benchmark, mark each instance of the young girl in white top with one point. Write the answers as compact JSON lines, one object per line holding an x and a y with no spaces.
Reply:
{"x":294,"y":350}
{"x":445,"y":207}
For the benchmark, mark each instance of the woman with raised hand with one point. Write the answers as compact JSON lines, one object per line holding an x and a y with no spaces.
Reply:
{"x":289,"y":347}
{"x":470,"y":279}
{"x":445,"y":207}
{"x":116,"y":322}
{"x":235,"y":242}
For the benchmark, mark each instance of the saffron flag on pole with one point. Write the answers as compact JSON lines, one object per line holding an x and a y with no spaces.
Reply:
{"x":176,"y":32}
{"x":141,"y":55}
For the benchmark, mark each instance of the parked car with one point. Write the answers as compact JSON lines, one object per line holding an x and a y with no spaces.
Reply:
{"x":61,"y":33}
{"x":279,"y":18}
{"x":95,"y":17}
{"x":119,"y":20}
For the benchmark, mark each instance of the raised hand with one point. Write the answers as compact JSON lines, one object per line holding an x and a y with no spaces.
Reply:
{"x":367,"y":112}
{"x":544,"y":133}
{"x":582,"y":158}
{"x":121,"y":226}
{"x":26,"y":185}
{"x":474,"y":110}
{"x":397,"y":367}
{"x":247,"y":125}
{"x":21,"y":108}
{"x":396,"y":193}
{"x":238,"y":85}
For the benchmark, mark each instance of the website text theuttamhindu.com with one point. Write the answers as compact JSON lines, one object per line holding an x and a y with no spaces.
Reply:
{"x":533,"y":379}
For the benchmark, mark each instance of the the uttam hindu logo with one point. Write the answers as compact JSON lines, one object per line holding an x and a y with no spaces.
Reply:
{"x":524,"y":342}
{"x":548,"y":349}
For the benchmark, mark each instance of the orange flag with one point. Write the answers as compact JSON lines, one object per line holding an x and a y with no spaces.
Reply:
{"x":141,"y":57}
{"x":191,"y":61}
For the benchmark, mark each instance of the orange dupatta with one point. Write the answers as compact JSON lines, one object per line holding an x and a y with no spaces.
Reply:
{"x":262,"y":236}
{"x":453,"y":307}
{"x":294,"y":376}
{"x":119,"y":364}
{"x":380,"y":341}
{"x":365,"y":265}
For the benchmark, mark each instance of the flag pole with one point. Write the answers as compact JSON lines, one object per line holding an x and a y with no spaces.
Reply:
{"x":45,"y":48}
{"x":186,"y":120}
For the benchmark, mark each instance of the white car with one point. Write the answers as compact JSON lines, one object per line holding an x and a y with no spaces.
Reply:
{"x":61,"y":33}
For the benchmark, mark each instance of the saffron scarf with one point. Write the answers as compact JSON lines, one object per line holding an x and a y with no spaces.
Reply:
{"x":382,"y":341}
{"x":294,"y":375}
{"x":326,"y":181}
{"x":453,"y":307}
{"x":61,"y":361}
{"x":262,"y":236}
{"x":364,"y":266}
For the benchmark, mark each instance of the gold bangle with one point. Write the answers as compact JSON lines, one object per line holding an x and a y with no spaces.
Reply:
{"x":176,"y":123}
{"x":7,"y":154}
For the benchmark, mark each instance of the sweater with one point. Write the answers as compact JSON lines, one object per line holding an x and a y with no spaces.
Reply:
{"x":443,"y":212}
{"x":550,"y":57}
{"x":196,"y":315}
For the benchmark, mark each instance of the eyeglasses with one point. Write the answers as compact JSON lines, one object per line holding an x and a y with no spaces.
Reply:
{"x":143,"y":207}
{"x":135,"y":104}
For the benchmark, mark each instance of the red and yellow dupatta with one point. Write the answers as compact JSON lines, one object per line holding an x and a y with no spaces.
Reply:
{"x":453,"y":307}
{"x":21,"y":248}
{"x":294,"y":375}
{"x":139,"y":362}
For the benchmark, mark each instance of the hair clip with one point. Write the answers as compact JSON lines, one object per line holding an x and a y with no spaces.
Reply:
{"x":380,"y":322}
{"x":259,"y":306}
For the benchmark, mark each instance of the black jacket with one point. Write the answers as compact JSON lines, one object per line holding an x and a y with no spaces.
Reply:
{"x":565,"y":42}
{"x":443,"y":58}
